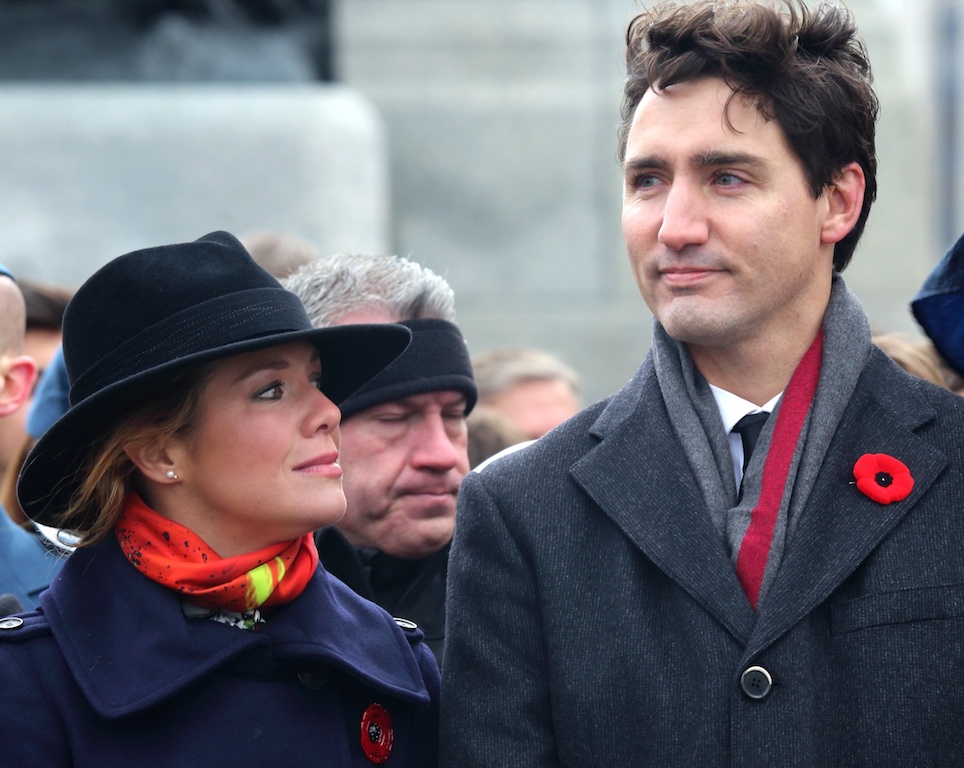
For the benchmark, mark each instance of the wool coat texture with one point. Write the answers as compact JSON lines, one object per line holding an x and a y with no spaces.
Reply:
{"x":595,"y":619}
{"x":110,"y":672}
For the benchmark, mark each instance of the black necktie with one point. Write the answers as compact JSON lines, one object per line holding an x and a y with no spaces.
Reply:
{"x":749,"y":428}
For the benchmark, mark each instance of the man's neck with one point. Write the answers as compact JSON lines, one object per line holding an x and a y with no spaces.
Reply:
{"x":757,"y":373}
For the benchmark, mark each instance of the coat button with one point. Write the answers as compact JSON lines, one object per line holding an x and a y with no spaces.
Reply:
{"x":11,"y":622}
{"x":756,"y":682}
{"x":407,"y":624}
{"x":314,"y":678}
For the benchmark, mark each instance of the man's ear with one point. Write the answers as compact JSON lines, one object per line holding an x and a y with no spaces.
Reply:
{"x":17,"y":377}
{"x":845,"y":196}
{"x":153,"y":460}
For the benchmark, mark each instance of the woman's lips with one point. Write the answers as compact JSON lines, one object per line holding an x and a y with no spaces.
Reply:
{"x":324,"y":464}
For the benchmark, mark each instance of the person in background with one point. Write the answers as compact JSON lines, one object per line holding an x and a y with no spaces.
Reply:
{"x":918,"y":359}
{"x":192,"y":625}
{"x":26,"y":568}
{"x":534,"y":388}
{"x":280,"y":253}
{"x":490,"y":432}
{"x":45,"y":305}
{"x":403,"y":435}
{"x":751,"y":554}
{"x":939,"y":310}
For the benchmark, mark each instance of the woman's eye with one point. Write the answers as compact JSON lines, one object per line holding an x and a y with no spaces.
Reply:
{"x":271,"y":392}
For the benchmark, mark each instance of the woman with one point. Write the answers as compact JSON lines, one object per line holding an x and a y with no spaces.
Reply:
{"x":192,"y":625}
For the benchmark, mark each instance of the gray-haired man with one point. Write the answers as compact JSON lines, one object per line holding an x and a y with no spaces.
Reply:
{"x":403,"y":435}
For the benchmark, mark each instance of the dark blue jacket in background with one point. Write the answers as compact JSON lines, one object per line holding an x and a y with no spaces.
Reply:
{"x":109,"y":672}
{"x":26,"y":567}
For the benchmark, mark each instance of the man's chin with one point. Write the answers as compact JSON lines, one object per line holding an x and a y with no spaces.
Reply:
{"x":422,"y":538}
{"x":426,"y":506}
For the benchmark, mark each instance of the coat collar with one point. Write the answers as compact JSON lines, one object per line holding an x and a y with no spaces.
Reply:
{"x":639,"y":477}
{"x":129,"y":645}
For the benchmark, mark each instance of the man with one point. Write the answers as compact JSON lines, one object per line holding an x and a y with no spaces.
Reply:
{"x":626,"y":592}
{"x":536,"y":390}
{"x":25,"y":566}
{"x":45,"y":307}
{"x":403,"y":435}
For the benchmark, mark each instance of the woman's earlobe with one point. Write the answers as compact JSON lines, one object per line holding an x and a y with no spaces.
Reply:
{"x":152,"y":461}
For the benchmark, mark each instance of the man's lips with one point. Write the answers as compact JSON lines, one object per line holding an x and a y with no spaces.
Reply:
{"x":687,"y":277}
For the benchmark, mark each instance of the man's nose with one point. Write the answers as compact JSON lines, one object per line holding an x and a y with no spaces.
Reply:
{"x":684,"y":217}
{"x":434,"y":446}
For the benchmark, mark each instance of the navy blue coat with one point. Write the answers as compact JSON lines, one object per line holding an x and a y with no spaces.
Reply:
{"x":110,"y":672}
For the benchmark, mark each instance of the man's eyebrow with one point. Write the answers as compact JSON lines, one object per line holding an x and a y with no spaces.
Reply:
{"x":649,"y":162}
{"x":701,"y":160}
{"x":715,"y":159}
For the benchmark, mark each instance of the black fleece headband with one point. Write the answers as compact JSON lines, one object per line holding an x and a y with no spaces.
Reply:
{"x":436,"y":360}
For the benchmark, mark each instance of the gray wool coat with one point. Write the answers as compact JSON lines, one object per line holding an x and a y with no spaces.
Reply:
{"x":594,"y":618}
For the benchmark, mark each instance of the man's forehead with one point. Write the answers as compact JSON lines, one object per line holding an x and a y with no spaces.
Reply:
{"x":441,"y":397}
{"x":694,"y":118}
{"x":709,"y":99}
{"x":367,"y":315}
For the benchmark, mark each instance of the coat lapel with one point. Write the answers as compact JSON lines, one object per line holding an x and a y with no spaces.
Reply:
{"x":840,"y":526}
{"x":640,"y":478}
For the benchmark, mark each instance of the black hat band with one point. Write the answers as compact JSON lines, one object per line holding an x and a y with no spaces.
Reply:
{"x":214,"y":323}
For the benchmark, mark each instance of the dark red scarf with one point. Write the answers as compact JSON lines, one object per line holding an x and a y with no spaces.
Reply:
{"x":794,"y":405}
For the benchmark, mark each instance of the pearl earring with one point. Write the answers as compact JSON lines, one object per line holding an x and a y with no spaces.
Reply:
{"x":171,"y":474}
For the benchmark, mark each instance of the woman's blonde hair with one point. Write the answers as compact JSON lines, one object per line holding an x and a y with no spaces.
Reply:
{"x":108,"y":473}
{"x":915,"y":358}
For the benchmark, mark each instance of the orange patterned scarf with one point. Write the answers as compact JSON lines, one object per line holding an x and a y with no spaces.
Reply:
{"x":176,"y":557}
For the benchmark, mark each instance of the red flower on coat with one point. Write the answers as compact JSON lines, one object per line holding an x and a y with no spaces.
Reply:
{"x":377,"y":734}
{"x":883,"y":478}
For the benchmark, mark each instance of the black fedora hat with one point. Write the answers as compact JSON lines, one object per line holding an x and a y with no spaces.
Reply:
{"x":152,"y":314}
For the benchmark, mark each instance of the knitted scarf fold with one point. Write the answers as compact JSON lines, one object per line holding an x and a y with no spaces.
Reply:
{"x":175,"y":557}
{"x":693,"y":413}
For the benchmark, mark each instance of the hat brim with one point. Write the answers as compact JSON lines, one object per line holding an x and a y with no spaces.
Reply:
{"x":350,"y":355}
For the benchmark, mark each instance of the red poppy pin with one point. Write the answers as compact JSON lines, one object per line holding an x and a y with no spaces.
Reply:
{"x":883,"y":478}
{"x":377,"y":734}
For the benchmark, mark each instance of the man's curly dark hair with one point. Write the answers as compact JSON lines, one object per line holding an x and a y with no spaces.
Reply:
{"x":805,"y":69}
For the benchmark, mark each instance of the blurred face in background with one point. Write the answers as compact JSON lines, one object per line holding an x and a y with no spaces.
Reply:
{"x":40,"y":344}
{"x":536,"y":406}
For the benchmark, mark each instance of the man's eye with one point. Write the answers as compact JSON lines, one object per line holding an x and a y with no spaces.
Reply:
{"x":728,"y":179}
{"x":643,"y":181}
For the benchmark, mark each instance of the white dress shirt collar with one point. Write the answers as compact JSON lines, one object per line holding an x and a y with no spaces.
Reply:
{"x":732,"y":408}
